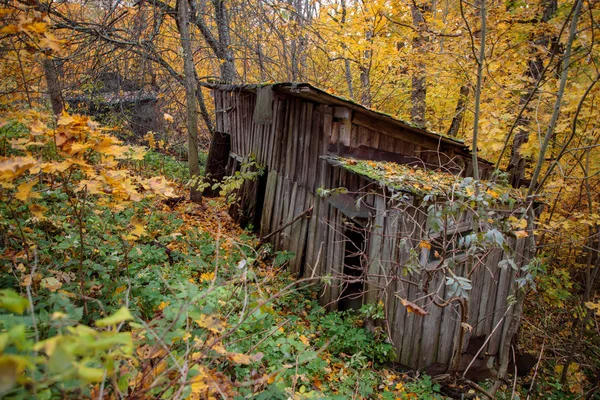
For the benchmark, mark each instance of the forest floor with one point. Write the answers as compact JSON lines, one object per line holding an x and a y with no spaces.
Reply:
{"x":117,"y":287}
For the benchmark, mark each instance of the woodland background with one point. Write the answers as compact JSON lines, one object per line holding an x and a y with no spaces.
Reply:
{"x":517,"y":80}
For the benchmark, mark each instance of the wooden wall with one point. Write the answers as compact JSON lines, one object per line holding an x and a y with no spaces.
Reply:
{"x":290,"y":148}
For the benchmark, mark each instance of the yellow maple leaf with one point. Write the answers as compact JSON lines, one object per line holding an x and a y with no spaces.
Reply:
{"x":37,"y":210}
{"x":65,"y":119}
{"x":521,"y":234}
{"x":25,"y":193}
{"x":138,"y":229}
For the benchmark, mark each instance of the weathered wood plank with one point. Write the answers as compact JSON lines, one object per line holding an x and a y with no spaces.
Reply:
{"x":287,"y":155}
{"x":431,"y":324}
{"x":281,"y":144}
{"x":289,"y":214}
{"x":311,"y":238}
{"x":313,"y":150}
{"x":269,"y":200}
{"x":376,"y":266}
{"x":300,"y":133}
{"x":296,"y":230}
{"x":301,"y":258}
{"x":306,"y":155}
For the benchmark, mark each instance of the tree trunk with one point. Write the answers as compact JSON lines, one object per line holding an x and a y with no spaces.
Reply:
{"x":418,"y":93}
{"x":535,"y":66}
{"x":51,"y":74}
{"x":365,"y":73}
{"x":228,"y":73}
{"x":347,"y":70}
{"x":216,"y":163}
{"x":459,"y":111}
{"x":190,"y":96}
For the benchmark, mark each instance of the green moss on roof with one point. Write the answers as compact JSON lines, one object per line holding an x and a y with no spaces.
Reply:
{"x":423,"y":182}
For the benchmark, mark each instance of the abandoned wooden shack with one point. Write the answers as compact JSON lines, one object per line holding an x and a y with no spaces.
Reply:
{"x":365,"y":237}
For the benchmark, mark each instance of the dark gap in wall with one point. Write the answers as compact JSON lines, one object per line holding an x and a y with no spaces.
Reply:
{"x":351,"y":297}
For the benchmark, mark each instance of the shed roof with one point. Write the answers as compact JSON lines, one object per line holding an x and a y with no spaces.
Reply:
{"x":423,"y":182}
{"x":310,"y":92}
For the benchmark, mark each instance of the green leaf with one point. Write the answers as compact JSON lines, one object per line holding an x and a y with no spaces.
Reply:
{"x":90,"y":374}
{"x":120,"y":316}
{"x":11,"y":301}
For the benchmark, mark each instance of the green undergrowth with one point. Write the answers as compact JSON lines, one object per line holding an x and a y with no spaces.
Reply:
{"x":110,"y":291}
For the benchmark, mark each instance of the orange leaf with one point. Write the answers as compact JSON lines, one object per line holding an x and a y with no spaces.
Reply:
{"x":413,"y":308}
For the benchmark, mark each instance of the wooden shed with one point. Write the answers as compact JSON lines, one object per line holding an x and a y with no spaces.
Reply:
{"x":364,"y":237}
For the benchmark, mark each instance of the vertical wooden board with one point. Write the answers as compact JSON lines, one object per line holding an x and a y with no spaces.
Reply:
{"x":303,"y":235}
{"x":281,"y":144}
{"x":323,"y":241}
{"x":300,"y":108}
{"x":289,"y":214}
{"x":451,"y":327}
{"x":475,"y":295}
{"x":243,"y":131}
{"x":313,"y":151}
{"x":328,"y":267}
{"x":287,"y":154}
{"x":405,"y":227}
{"x":277,"y":208}
{"x":431,"y":326}
{"x":274,"y":137}
{"x":399,"y":318}
{"x":309,"y":139}
{"x":450,"y":319}
{"x":335,"y":133}
{"x":337,"y":266}
{"x":269,"y":200}
{"x":500,"y":307}
{"x":286,"y":192}
{"x":417,"y":334}
{"x":408,"y":341}
{"x":522,"y":254}
{"x":375,"y":139}
{"x":304,"y":146}
{"x":295,"y":229}
{"x":218,"y":111}
{"x":491,"y":297}
{"x":375,"y":241}
{"x":324,"y":166}
{"x":299,"y":144}
{"x":384,"y":142}
{"x":487,"y":278}
{"x":345,"y":132}
{"x":311,"y":238}
{"x":260,"y":129}
{"x":446,"y":329}
{"x":354,"y":136}
{"x":363,"y":136}
{"x":390,"y":243}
